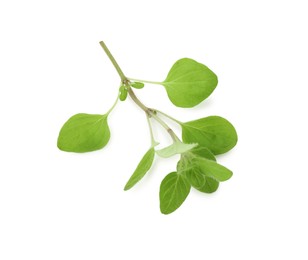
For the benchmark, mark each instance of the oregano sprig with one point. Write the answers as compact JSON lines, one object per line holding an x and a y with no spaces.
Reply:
{"x":187,"y":84}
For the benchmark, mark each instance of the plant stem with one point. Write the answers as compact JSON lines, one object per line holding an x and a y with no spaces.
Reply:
{"x":164,"y":125}
{"x":115,"y":64}
{"x":137,"y":101}
{"x":151,"y":113}
{"x":170,"y":117}
{"x":113,"y":106}
{"x":145,"y":81}
{"x":153,"y":142}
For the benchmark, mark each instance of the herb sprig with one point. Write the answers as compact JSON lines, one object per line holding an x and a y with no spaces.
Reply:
{"x":187,"y":84}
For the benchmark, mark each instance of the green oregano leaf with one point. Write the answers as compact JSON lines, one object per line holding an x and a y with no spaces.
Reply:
{"x":137,"y":85}
{"x":175,"y":148}
{"x":84,"y":133}
{"x":213,"y":132}
{"x":189,"y":82}
{"x":142,"y":168}
{"x":202,"y":152}
{"x":212,"y":169}
{"x":173,"y":191}
{"x":196,"y":177}
{"x":210,"y":185}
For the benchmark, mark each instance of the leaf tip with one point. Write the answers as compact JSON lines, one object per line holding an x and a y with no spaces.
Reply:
{"x":127,"y":187}
{"x":167,"y":211}
{"x":164,"y":212}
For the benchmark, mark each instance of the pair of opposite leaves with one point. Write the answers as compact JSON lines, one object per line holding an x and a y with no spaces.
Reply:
{"x":187,"y":84}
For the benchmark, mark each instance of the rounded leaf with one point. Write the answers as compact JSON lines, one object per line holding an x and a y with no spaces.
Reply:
{"x":213,"y":132}
{"x":84,"y":133}
{"x":212,"y":169}
{"x":210,"y":185}
{"x":189,"y":82}
{"x":191,"y":169}
{"x":195,"y":177}
{"x":173,"y":191}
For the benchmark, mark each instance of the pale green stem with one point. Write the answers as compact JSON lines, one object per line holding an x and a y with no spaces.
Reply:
{"x":164,"y":125}
{"x":153,"y":142}
{"x":113,"y":106}
{"x":170,"y":117}
{"x":146,"y":81}
{"x":115,"y":64}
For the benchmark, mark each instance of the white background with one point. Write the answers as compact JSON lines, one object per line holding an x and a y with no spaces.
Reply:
{"x":57,"y":205}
